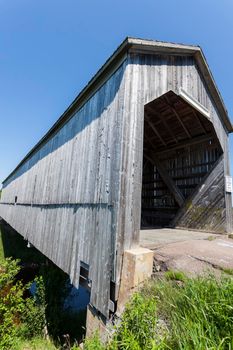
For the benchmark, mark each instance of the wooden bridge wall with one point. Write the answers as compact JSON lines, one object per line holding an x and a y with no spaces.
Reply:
{"x":66,"y":201}
{"x":148,"y":77}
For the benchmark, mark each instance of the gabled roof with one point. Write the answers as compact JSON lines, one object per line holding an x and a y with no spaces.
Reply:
{"x":196,"y":51}
{"x":113,"y":63}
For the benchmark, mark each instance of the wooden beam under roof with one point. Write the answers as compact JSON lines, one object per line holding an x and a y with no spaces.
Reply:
{"x":153,"y":111}
{"x":177,"y":116}
{"x":185,"y":143}
{"x":202,"y":125}
{"x":155,"y":130}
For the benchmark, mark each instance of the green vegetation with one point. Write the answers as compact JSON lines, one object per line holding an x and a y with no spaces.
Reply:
{"x":196,"y":314}
{"x":19,"y":317}
{"x":34,"y":344}
{"x":211,"y":238}
{"x":227,"y":271}
{"x":175,"y":275}
{"x":25,"y":320}
{"x":174,"y":312}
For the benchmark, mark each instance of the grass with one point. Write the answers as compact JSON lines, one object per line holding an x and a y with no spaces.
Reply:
{"x":199,"y":315}
{"x":196,"y":314}
{"x":34,"y":344}
{"x":175,"y":275}
{"x":211,"y":238}
{"x":228,"y":271}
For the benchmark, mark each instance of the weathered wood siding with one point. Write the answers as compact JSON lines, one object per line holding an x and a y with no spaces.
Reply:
{"x":148,"y":77}
{"x":67,"y":192}
{"x":205,"y":209}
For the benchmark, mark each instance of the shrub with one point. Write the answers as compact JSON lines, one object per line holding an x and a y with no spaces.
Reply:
{"x":11,"y":303}
{"x":19,"y":317}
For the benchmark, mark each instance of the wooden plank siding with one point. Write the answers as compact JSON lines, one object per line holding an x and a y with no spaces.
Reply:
{"x":148,"y":77}
{"x":205,"y":208}
{"x":79,"y":192}
{"x":65,"y":197}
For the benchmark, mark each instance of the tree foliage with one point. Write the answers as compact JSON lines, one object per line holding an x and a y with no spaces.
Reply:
{"x":20,"y":317}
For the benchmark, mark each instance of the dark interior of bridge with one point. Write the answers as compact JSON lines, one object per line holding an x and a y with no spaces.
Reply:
{"x":180,"y":148}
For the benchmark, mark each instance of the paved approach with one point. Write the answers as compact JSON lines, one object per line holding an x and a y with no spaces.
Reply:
{"x":189,"y":251}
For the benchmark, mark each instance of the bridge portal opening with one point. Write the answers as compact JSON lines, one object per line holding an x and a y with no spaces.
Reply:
{"x":180,"y":148}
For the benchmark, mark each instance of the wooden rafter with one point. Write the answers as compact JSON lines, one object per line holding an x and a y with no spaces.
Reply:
{"x":150,"y":142}
{"x":177,"y":116}
{"x":152,"y":111}
{"x":155,"y":130}
{"x":199,"y":121}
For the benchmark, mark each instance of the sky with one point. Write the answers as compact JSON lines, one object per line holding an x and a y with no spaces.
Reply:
{"x":49,"y":50}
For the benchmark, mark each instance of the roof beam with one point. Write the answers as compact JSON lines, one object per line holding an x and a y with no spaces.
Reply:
{"x":152,"y":111}
{"x":199,"y":121}
{"x":155,"y":130}
{"x":177,"y":116}
{"x":190,"y":142}
{"x":149,"y":141}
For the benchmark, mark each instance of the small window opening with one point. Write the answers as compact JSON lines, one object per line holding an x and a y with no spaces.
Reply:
{"x":84,"y":275}
{"x":16,"y":198}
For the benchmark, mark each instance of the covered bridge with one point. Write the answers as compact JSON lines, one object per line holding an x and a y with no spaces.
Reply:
{"x":145,"y":144}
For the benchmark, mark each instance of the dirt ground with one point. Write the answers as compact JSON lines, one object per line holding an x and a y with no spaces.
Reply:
{"x":192,"y":252}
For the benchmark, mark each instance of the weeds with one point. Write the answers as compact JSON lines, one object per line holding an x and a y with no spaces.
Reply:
{"x":34,"y":344}
{"x":211,"y":238}
{"x":194,"y":315}
{"x":227,"y":271}
{"x":175,"y":275}
{"x":23,"y":320}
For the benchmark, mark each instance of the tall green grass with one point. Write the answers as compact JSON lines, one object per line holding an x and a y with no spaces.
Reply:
{"x":198,"y":313}
{"x":192,"y":314}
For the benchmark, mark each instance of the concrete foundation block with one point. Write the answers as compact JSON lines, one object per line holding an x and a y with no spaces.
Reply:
{"x":137,"y":268}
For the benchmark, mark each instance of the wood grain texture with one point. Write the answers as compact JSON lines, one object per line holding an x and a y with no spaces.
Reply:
{"x":65,"y":197}
{"x":206,"y":209}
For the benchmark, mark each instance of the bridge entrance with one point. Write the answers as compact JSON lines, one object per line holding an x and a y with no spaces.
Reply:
{"x":180,"y":149}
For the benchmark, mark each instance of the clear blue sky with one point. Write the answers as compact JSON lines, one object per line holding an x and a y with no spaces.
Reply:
{"x":50,"y":49}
